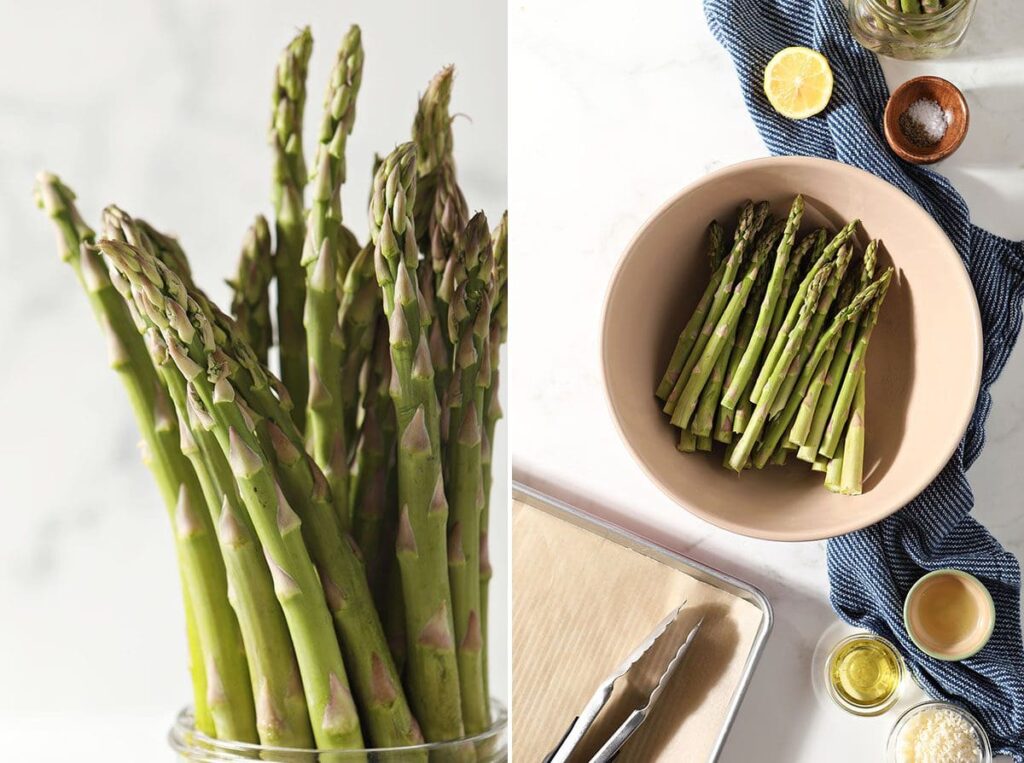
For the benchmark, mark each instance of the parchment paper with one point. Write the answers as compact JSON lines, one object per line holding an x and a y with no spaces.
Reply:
{"x":580,"y":605}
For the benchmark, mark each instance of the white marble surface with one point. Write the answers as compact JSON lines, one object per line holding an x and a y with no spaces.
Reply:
{"x":614,"y":108}
{"x":163,"y":108}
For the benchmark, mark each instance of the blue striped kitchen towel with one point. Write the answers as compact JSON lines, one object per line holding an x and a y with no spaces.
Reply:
{"x":871,"y":570}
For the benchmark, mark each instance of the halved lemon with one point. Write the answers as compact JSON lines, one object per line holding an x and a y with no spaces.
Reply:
{"x":798,"y":82}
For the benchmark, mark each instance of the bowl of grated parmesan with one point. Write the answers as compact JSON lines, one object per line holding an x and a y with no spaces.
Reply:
{"x":938,"y":731}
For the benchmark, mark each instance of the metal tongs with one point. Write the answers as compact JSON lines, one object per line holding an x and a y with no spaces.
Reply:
{"x":645,"y":699}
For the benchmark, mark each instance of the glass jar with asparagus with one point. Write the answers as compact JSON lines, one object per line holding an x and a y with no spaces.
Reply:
{"x":331,"y":524}
{"x":772,"y":361}
{"x":910,"y":29}
{"x":192,"y":746}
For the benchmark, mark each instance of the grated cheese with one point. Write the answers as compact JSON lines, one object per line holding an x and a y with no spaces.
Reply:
{"x":938,"y":735}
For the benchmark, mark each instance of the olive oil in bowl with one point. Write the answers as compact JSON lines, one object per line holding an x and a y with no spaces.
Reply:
{"x":864,"y":674}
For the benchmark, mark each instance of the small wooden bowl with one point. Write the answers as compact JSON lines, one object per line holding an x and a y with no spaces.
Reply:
{"x":950,"y":100}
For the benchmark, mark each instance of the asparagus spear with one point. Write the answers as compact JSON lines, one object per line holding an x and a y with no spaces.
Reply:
{"x":432,"y":669}
{"x":164,"y":301}
{"x":724,"y":420}
{"x":251,"y":302}
{"x":687,"y":441}
{"x":825,"y":302}
{"x":469,"y":327}
{"x":322,"y":256}
{"x":833,"y":472}
{"x":360,"y":307}
{"x":224,"y":705}
{"x":441,"y":214}
{"x":851,"y":482}
{"x":441,"y":210}
{"x":704,"y":416}
{"x":282,"y":718}
{"x":773,"y":294}
{"x":342,"y":575}
{"x":374,"y":468}
{"x":492,"y":413}
{"x":289,"y":183}
{"x":281,"y":714}
{"x":812,"y":245}
{"x":793,"y":312}
{"x":841,"y":410}
{"x":827,"y":342}
{"x":688,"y":336}
{"x":751,"y":220}
{"x":725,"y":326}
{"x":817,"y":405}
{"x":745,"y":445}
{"x":716,"y":245}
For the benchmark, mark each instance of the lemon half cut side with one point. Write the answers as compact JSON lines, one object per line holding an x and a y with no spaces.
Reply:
{"x":798,"y":82}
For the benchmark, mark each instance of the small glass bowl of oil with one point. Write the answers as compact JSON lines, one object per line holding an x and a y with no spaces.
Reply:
{"x":864,"y":674}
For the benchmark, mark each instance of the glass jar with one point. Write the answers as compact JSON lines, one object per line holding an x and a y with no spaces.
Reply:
{"x":888,"y":32}
{"x":193,"y":746}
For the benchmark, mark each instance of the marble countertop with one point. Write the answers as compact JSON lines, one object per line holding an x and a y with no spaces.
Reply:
{"x":614,"y":108}
{"x":163,"y":108}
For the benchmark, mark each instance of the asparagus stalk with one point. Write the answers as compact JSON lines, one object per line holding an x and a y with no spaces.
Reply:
{"x":282,"y":718}
{"x":688,"y":336}
{"x":441,"y":210}
{"x":336,"y":556}
{"x":751,"y":220}
{"x":826,"y":344}
{"x":825,"y":302}
{"x":687,"y":441}
{"x":359,"y":310}
{"x":432,"y":669}
{"x":851,"y":482}
{"x":374,"y":467}
{"x":724,"y":418}
{"x":817,"y":406}
{"x":164,"y":301}
{"x":469,"y":328}
{"x":716,"y":245}
{"x":827,"y":255}
{"x":250,"y":304}
{"x":704,"y":416}
{"x":281,"y":715}
{"x":837,"y":421}
{"x":812,"y":245}
{"x":289,"y":183}
{"x":773,"y":294}
{"x":441,"y":214}
{"x":745,"y":445}
{"x":492,"y":413}
{"x":725,"y":326}
{"x":224,"y":704}
{"x":322,"y":256}
{"x":833,"y":472}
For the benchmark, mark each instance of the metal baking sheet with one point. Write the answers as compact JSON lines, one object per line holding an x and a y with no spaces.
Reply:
{"x":690,"y":567}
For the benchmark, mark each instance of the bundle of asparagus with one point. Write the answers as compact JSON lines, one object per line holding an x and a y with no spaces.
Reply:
{"x":773,"y":358}
{"x":330,"y":526}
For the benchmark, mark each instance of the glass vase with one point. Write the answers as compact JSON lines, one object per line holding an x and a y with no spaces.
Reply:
{"x":886,"y":31}
{"x":491,"y":746}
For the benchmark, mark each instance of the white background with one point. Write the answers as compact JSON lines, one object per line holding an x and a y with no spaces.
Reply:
{"x":614,"y":108}
{"x":162,"y":107}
